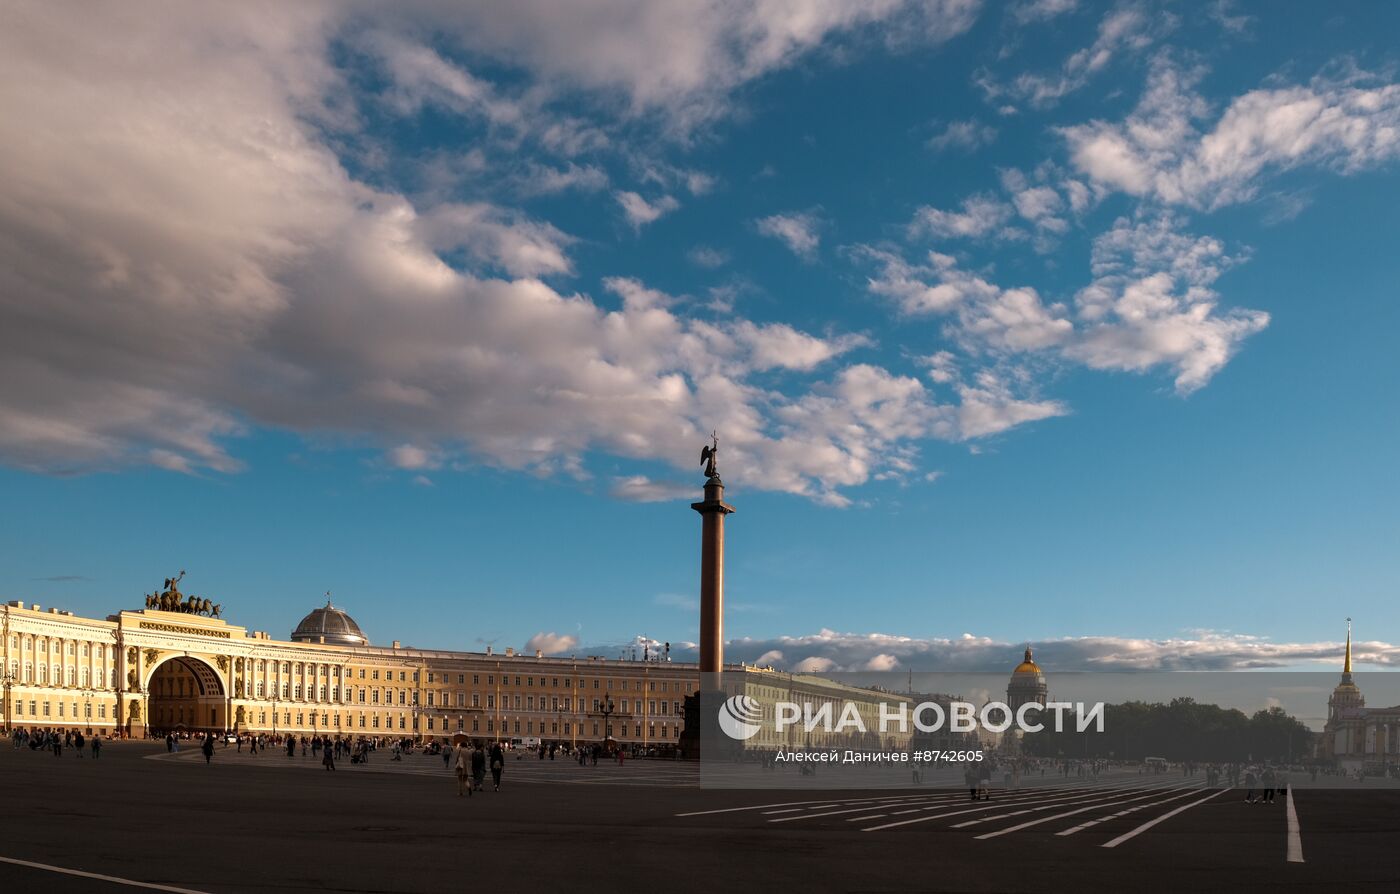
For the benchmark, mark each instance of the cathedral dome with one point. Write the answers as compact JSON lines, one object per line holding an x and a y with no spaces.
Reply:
{"x":329,"y":625}
{"x":1027,"y":683}
{"x":1028,"y":666}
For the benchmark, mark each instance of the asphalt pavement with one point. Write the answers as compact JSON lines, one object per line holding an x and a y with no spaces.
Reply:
{"x":140,"y":819}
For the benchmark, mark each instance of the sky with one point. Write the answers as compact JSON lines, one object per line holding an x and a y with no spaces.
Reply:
{"x":1050,"y":322}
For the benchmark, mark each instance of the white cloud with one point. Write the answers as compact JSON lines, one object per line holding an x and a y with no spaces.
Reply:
{"x":799,"y":231}
{"x":988,"y":407}
{"x":551,"y":643}
{"x":1349,"y":125}
{"x":829,"y":650}
{"x":641,"y":489}
{"x":813,"y":665}
{"x":707,"y":256}
{"x":981,"y":215}
{"x":538,"y":179}
{"x":172,"y":272}
{"x":1129,"y":26}
{"x":409,"y":456}
{"x":640,"y":212}
{"x":1041,"y":10}
{"x":1150,"y":305}
{"x":966,"y":135}
{"x":498,"y":238}
{"x":679,"y":58}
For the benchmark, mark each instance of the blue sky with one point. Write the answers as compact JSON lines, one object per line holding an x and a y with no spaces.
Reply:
{"x":1055,"y":322}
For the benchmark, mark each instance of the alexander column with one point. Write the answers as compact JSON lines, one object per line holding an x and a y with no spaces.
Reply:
{"x":712,"y":511}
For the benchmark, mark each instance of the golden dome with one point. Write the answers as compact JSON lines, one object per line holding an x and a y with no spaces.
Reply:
{"x":1028,"y":666}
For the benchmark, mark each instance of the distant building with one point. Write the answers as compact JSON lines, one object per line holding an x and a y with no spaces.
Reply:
{"x":768,"y":687}
{"x":1026,"y":686}
{"x":151,"y":671}
{"x":1355,"y":736}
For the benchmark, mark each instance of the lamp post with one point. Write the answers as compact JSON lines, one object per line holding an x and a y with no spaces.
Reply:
{"x":6,"y":678}
{"x":607,"y":709}
{"x":87,"y":694}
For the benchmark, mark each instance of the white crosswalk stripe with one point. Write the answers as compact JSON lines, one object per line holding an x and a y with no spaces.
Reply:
{"x":1097,"y":805}
{"x":1063,"y":809}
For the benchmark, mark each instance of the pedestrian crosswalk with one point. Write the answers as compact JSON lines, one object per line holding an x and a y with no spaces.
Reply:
{"x":1106,"y":813}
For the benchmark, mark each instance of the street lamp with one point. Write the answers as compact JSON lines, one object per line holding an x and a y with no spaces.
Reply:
{"x":87,"y":694}
{"x":7,"y":678}
{"x":607,"y":710}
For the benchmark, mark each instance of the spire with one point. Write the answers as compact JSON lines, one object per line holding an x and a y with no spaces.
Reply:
{"x":1028,"y":652}
{"x":1346,"y":666}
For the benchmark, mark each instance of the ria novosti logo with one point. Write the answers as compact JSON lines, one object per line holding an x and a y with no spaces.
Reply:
{"x":741,"y":717}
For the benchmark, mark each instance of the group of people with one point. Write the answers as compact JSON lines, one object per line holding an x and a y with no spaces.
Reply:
{"x":55,"y":741}
{"x":469,"y":762}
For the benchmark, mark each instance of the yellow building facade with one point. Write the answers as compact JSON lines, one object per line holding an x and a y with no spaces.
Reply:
{"x":155,"y":670}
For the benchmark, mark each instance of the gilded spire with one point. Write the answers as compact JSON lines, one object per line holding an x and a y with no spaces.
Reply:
{"x":1346,"y":666}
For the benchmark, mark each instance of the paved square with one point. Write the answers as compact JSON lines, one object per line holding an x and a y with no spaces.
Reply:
{"x":272,"y":823}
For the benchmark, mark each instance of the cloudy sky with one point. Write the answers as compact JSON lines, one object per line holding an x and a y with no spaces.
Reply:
{"x":1053,"y":321}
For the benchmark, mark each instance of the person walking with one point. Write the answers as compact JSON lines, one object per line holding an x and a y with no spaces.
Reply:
{"x":478,"y":762}
{"x":462,"y":766}
{"x":1269,"y":785}
{"x":1250,"y":781}
{"x":208,"y":749}
{"x":498,"y":765}
{"x":96,"y":747}
{"x":78,"y":744}
{"x":328,"y":756}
